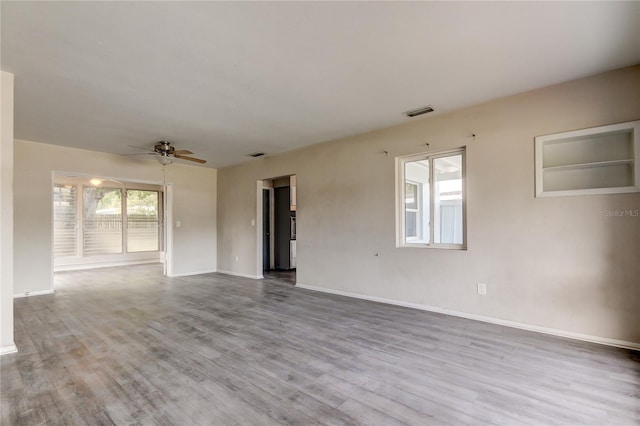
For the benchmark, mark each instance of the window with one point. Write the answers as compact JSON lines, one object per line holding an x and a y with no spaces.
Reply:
{"x":431,"y":208}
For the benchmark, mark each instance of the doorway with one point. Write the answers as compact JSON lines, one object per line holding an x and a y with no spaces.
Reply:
{"x":278,"y":241}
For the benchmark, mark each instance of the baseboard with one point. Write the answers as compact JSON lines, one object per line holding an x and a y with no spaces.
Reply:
{"x":239,"y":274}
{"x":11,"y":349}
{"x":33,"y":293}
{"x":188,"y":274}
{"x":506,"y":323}
{"x":81,"y":266}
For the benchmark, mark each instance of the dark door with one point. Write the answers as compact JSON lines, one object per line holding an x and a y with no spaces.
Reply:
{"x":282,"y":231}
{"x":266,"y":232}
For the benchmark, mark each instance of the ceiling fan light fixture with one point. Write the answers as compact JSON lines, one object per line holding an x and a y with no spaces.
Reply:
{"x":95,"y":181}
{"x":165,"y":160}
{"x":418,"y":111}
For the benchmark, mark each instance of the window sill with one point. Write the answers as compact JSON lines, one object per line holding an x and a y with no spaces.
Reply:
{"x":434,"y":246}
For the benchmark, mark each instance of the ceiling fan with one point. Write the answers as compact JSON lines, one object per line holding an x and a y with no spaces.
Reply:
{"x":165,"y":152}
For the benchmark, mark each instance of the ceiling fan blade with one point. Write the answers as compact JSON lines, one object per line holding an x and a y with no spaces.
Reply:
{"x":182,"y":151}
{"x":140,"y":153}
{"x":184,"y":157}
{"x":139,"y":147}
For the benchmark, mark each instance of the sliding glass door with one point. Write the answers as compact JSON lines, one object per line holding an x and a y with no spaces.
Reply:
{"x":65,"y":221}
{"x":143,"y":221}
{"x":102,"y":221}
{"x":105,"y":221}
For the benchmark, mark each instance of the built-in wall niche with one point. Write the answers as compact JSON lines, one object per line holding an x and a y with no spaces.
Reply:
{"x":599,"y":160}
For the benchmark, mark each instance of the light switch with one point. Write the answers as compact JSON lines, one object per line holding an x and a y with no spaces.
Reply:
{"x":178,"y":224}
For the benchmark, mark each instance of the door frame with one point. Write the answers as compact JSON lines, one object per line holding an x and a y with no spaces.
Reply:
{"x":267,"y":230}
{"x":258,"y":223}
{"x":260,"y":185}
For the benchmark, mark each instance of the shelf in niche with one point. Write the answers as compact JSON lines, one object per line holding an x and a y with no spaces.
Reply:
{"x":600,"y":160}
{"x":588,"y":165}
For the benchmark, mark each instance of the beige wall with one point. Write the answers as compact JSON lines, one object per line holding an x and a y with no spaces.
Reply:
{"x":557,"y":262}
{"x":194,"y":204}
{"x":6,"y":213}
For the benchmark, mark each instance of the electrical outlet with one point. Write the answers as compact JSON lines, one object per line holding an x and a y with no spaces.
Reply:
{"x":237,"y":258}
{"x":482,"y":289}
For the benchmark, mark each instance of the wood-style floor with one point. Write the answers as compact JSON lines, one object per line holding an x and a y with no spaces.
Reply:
{"x":128,"y":346}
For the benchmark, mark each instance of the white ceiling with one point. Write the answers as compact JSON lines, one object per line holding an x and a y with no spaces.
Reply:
{"x":225,"y":79}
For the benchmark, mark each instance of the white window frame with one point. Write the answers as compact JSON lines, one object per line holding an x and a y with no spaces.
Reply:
{"x":401,"y":241}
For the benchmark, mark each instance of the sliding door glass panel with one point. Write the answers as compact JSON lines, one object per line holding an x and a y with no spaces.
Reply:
{"x":143,"y":221}
{"x":447,"y":199}
{"x":65,"y":224}
{"x":102,"y":221}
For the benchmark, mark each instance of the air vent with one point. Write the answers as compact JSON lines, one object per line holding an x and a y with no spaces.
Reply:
{"x":418,"y":111}
{"x":256,"y":154}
